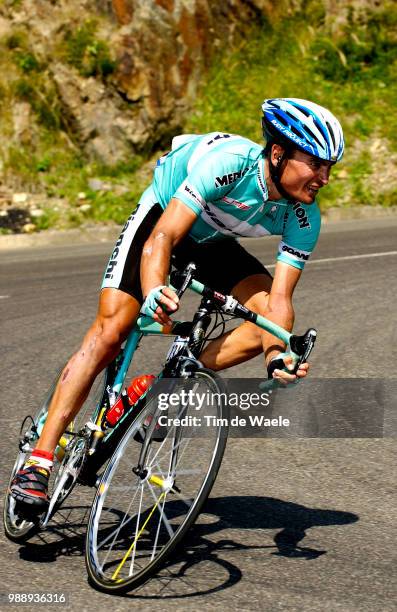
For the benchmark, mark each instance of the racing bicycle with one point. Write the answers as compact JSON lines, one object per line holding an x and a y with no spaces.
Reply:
{"x":159,"y":467}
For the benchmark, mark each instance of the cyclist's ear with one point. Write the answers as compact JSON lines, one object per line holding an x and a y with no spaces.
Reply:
{"x":276,"y":154}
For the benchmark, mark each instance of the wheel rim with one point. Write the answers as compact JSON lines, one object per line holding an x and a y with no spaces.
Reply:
{"x":136,"y":519}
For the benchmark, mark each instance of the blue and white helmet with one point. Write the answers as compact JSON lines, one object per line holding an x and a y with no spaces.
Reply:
{"x":304,"y":125}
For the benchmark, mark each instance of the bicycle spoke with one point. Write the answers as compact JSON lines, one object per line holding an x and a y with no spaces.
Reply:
{"x":158,"y":531}
{"x":183,"y":499}
{"x":174,"y":448}
{"x":136,"y":534}
{"x":116,"y":573}
{"x":164,"y":518}
{"x":151,"y":516}
{"x":103,"y":542}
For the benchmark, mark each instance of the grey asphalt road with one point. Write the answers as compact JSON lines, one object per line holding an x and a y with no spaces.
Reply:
{"x":292,"y":524}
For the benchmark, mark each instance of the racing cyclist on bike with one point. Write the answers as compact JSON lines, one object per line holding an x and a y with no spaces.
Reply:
{"x":206,"y":192}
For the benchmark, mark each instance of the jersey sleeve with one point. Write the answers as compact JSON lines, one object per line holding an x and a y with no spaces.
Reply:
{"x":300,"y":235}
{"x":211,"y":177}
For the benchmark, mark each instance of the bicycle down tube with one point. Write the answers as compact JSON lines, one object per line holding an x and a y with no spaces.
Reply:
{"x":146,"y":326}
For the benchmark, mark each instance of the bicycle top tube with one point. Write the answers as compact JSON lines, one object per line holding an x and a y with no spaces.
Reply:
{"x":298,"y":347}
{"x":241,"y":311}
{"x":147,"y":325}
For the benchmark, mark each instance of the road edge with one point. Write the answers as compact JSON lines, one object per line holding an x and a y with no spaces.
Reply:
{"x":108,"y":233}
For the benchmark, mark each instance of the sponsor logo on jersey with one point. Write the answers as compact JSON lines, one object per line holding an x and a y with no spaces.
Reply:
{"x":224,"y":228}
{"x":236,"y":203}
{"x":261,"y":183}
{"x":113,"y":258}
{"x":193,"y":195}
{"x":295,"y":252}
{"x":227,"y":179}
{"x":301,"y":215}
{"x":218,"y":137}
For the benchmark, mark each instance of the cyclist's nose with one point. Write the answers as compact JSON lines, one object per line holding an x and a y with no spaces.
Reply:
{"x":324,"y":173}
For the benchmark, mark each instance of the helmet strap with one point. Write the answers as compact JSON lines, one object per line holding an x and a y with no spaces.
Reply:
{"x":276,"y":173}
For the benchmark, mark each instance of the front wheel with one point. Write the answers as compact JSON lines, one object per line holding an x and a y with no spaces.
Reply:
{"x":146,"y":502}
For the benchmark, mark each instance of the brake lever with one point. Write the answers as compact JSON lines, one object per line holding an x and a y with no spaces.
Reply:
{"x":187,"y":275}
{"x":302,"y":346}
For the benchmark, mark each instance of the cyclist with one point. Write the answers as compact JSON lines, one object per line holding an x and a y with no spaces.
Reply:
{"x":206,"y":192}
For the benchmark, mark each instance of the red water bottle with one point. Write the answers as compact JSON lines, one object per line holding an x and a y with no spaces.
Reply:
{"x":129,"y":397}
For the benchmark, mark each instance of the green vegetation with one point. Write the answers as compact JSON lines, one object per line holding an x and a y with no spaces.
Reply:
{"x":46,"y":160}
{"x":352,"y":72}
{"x":85,"y":52}
{"x":65,"y":177}
{"x":350,"y":68}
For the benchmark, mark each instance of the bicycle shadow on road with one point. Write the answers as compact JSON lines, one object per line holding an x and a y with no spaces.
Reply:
{"x":182,"y":576}
{"x":64,"y":536}
{"x":241,"y":513}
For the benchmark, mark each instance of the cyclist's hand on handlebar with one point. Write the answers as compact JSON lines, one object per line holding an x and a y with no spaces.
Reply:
{"x":286,"y":377}
{"x":159,"y":303}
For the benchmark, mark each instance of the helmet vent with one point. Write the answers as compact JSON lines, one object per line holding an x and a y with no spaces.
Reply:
{"x":312,"y":134}
{"x":303,"y":110}
{"x":295,"y":131}
{"x":281,"y":119}
{"x":331,"y":132}
{"x":290,"y":115}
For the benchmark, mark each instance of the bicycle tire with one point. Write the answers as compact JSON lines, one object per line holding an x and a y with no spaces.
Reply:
{"x":17,"y":527}
{"x":108,"y":519}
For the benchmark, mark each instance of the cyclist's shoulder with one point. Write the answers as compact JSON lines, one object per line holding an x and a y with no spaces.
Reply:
{"x":304,"y":216}
{"x":219,"y":147}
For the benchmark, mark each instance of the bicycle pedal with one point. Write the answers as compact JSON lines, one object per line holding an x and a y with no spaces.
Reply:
{"x":30,"y":514}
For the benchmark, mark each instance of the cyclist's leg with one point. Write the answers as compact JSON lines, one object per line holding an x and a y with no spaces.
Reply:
{"x":245,"y":341}
{"x":118,"y":310}
{"x":226,"y":266}
{"x":117,"y":313}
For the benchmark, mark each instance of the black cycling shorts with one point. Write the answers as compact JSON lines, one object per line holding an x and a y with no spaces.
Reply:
{"x":220,"y":264}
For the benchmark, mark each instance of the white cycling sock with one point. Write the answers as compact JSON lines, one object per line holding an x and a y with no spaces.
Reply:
{"x":42,"y":459}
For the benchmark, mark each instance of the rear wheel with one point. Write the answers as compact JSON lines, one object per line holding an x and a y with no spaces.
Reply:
{"x":142,"y":510}
{"x":19,"y":526}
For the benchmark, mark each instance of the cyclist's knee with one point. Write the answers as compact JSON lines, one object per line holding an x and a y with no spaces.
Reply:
{"x":117,"y":314}
{"x":253,"y":336}
{"x":107,"y":334}
{"x":253,"y":292}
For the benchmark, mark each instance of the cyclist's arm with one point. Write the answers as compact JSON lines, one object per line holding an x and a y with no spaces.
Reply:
{"x":173,"y":225}
{"x":298,"y":240}
{"x":279,"y":308}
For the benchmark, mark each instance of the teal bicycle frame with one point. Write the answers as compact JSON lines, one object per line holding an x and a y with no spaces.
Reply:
{"x":146,"y":326}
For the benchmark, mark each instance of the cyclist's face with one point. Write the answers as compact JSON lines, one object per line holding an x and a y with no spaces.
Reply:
{"x":304,"y":175}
